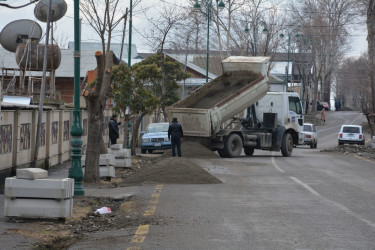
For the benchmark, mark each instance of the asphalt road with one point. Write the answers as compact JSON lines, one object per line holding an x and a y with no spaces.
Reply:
{"x":312,"y":200}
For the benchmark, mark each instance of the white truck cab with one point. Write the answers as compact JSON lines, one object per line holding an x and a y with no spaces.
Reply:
{"x":288,"y":109}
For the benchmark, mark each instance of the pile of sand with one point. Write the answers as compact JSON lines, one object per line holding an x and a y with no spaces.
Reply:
{"x":178,"y":170}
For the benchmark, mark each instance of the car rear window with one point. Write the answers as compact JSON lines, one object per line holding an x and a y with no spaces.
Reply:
{"x":155,"y":127}
{"x":307,"y":128}
{"x":350,"y":129}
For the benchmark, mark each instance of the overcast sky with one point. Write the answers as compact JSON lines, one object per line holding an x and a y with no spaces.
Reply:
{"x":65,"y":27}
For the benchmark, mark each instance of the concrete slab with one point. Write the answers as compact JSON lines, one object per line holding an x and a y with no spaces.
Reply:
{"x":31,"y":173}
{"x":118,"y":153}
{"x":39,"y":188}
{"x":116,"y":146}
{"x":38,"y":208}
{"x":105,"y":171}
{"x":104,"y":160}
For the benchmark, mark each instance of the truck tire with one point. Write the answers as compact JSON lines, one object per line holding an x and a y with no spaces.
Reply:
{"x":287,"y":145}
{"x":143,"y":151}
{"x":221,"y":153}
{"x":233,"y":146}
{"x":249,"y":151}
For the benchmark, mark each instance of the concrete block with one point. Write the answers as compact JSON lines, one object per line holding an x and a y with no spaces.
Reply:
{"x":120,"y":163}
{"x":128,"y":162}
{"x":128,"y":152}
{"x":105,"y":171}
{"x":31,"y":173}
{"x":373,"y":142}
{"x":104,"y":160}
{"x":39,"y":188}
{"x":38,"y":208}
{"x":116,"y":146}
{"x":118,"y":153}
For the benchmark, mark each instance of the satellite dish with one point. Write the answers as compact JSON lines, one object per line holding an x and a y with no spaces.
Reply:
{"x":58,"y":10}
{"x":19,"y":31}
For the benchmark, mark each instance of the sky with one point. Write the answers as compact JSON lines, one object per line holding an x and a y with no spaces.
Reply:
{"x":64,"y":28}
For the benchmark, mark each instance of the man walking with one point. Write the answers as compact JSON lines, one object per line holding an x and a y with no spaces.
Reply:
{"x":113,"y":129}
{"x":175,"y":135}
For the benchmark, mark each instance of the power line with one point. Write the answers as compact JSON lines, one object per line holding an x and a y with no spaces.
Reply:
{"x":18,"y":7}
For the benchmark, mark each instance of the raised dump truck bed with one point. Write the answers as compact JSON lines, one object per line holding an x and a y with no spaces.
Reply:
{"x":242,"y":84}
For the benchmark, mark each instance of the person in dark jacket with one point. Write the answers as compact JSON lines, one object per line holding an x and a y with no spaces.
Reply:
{"x":113,"y":129}
{"x":175,"y":135}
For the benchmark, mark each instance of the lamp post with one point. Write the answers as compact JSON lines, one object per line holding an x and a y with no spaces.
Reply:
{"x":197,"y":6}
{"x":255,"y":34}
{"x":76,"y":131}
{"x":129,"y":61}
{"x":287,"y":66}
{"x":303,"y":69}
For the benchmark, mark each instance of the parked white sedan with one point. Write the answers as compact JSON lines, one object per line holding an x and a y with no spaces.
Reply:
{"x":351,"y":134}
{"x":311,"y":136}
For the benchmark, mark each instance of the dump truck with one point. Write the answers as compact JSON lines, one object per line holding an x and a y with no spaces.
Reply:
{"x":236,"y":111}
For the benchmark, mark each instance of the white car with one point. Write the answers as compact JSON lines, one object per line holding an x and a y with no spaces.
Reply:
{"x":311,"y":136}
{"x":351,"y":134}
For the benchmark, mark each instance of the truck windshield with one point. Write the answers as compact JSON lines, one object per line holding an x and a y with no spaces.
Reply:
{"x":295,"y":104}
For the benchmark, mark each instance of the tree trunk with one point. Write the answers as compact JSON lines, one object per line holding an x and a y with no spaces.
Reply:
{"x":94,"y":138}
{"x":315,"y":94}
{"x":135,"y":128}
{"x":96,"y":103}
{"x":371,"y":48}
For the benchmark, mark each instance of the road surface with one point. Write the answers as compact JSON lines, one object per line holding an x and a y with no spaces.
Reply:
{"x":312,"y":200}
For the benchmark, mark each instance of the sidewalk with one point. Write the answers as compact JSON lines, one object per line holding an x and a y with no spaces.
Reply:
{"x":9,"y":237}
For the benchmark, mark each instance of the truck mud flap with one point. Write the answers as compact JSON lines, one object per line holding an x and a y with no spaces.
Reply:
{"x":277,"y":137}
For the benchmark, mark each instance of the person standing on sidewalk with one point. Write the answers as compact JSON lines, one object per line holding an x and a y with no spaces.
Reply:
{"x":113,"y":129}
{"x":323,"y":115}
{"x":175,"y":135}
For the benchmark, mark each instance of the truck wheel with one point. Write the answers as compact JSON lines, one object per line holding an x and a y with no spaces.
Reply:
{"x":316,"y":144}
{"x":312,"y":144}
{"x":233,"y":146}
{"x":287,"y":145}
{"x":143,"y":151}
{"x":221,"y":153}
{"x":249,"y":151}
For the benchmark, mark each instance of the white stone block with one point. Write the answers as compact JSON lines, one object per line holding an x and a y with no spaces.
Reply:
{"x":104,"y":160}
{"x":128,"y":162}
{"x":31,"y":173}
{"x":120,"y":163}
{"x":128,"y":152}
{"x":118,"y":153}
{"x":373,"y":142}
{"x":38,"y":208}
{"x":116,"y":146}
{"x":105,"y":171}
{"x":39,"y":188}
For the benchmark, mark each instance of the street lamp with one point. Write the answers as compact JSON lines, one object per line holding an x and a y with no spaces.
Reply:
{"x":287,"y":66}
{"x":129,"y":62}
{"x":197,"y":6}
{"x":255,"y":34}
{"x":76,"y":131}
{"x":305,"y":41}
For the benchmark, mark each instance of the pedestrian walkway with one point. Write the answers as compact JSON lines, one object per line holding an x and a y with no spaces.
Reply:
{"x":9,"y":237}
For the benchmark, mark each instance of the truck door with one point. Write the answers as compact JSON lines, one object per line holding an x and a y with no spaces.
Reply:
{"x":296,"y":116}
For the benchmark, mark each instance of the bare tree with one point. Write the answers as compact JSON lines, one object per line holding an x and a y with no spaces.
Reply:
{"x":327,"y":23}
{"x":103,"y":18}
{"x":162,"y":27}
{"x":371,"y":47}
{"x":353,"y":88}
